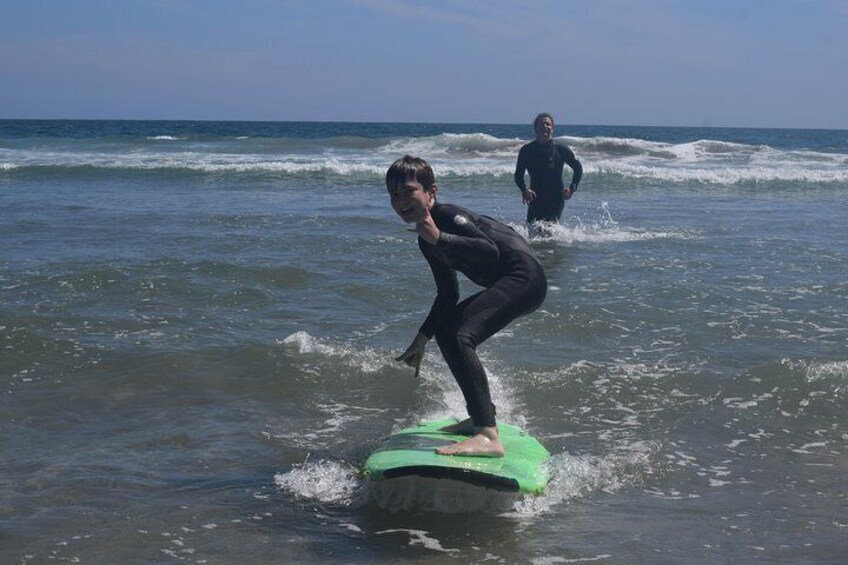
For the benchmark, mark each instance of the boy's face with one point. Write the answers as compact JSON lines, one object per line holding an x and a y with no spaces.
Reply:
{"x":411,"y":200}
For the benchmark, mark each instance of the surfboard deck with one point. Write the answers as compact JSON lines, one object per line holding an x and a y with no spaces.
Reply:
{"x":412,"y":452}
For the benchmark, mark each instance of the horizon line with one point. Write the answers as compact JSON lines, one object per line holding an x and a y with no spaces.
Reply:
{"x":324,"y":121}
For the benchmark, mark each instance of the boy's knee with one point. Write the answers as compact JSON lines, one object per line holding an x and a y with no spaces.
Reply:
{"x":466,"y":341}
{"x":451,"y":338}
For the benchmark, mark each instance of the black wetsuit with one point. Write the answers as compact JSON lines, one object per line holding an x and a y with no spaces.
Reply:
{"x":492,"y":255}
{"x":544,"y":162}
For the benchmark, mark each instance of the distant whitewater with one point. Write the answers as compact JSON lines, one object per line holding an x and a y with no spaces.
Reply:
{"x":475,"y":155}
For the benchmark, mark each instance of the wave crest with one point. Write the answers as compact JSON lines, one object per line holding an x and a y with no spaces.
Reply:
{"x":467,"y":156}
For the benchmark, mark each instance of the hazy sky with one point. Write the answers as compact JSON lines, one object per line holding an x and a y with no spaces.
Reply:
{"x":761,"y":63}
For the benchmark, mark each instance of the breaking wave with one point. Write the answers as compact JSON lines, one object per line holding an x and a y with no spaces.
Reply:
{"x":452,"y":155}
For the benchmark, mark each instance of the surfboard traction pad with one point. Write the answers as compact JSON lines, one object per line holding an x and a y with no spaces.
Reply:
{"x":412,"y":452}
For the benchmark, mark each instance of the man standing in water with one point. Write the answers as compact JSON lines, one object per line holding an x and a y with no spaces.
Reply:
{"x":544,"y":158}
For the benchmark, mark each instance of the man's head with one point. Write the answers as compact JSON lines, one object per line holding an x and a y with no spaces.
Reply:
{"x":544,"y":126}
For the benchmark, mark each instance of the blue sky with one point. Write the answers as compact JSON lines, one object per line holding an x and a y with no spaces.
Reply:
{"x":758,"y":63}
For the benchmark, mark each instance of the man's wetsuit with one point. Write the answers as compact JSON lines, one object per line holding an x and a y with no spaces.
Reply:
{"x":544,"y":162}
{"x":492,"y":255}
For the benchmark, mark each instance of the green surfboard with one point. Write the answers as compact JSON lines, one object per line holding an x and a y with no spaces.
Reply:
{"x":412,"y":452}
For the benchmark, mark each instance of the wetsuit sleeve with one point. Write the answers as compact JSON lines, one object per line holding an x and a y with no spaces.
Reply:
{"x":576,"y":166}
{"x":520,"y":168}
{"x":447,"y":292}
{"x":471,"y":244}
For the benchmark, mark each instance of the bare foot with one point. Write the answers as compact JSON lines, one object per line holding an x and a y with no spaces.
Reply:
{"x":463,"y":428}
{"x":483,"y":444}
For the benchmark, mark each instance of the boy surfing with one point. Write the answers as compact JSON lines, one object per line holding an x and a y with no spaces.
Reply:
{"x":492,"y":255}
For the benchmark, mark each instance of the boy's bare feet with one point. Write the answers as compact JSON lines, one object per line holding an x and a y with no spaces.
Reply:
{"x":484,"y":443}
{"x":463,"y":428}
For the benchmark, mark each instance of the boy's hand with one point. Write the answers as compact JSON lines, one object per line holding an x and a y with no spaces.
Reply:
{"x":567,"y":192}
{"x":528,"y":195}
{"x":414,"y":354}
{"x":427,"y":229}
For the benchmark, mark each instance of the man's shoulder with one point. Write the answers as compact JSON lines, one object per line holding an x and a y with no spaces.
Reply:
{"x":563,"y":146}
{"x":529,"y":146}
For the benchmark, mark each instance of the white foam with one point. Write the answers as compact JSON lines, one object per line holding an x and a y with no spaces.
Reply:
{"x":364,"y":359}
{"x":596,"y":233}
{"x":835,"y":372}
{"x":805,"y":449}
{"x":470,"y":144}
{"x":579,"y":476}
{"x":719,"y":174}
{"x":709,"y":161}
{"x":475,"y":155}
{"x":338,"y":417}
{"x":832,"y":370}
{"x":604,"y":229}
{"x":420,"y":537}
{"x":557,"y":559}
{"x":324,"y":481}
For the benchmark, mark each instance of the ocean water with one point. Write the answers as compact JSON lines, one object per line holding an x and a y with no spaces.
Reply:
{"x":198,"y":321}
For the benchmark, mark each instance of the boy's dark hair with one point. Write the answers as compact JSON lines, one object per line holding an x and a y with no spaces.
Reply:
{"x":541,"y":117}
{"x":408,"y":167}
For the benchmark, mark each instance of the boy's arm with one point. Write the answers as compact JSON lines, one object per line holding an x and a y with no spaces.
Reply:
{"x":447,"y":292}
{"x":470,"y":243}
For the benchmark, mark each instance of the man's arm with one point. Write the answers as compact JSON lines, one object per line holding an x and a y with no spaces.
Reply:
{"x":520,"y":169}
{"x":527,"y":194}
{"x":576,"y":168}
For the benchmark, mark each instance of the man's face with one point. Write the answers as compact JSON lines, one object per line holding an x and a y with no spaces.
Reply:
{"x":544,"y":129}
